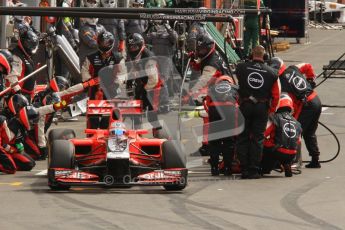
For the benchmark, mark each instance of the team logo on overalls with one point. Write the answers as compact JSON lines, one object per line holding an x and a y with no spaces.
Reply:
{"x":255,"y":80}
{"x":222,"y":88}
{"x":290,"y":130}
{"x":297,"y":81}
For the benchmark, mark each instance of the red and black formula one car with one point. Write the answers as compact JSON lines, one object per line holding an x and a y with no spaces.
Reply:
{"x":112,"y":155}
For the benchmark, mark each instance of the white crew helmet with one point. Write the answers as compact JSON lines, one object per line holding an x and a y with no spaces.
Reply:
{"x":109,"y":3}
{"x":91,"y":3}
{"x":136,"y":3}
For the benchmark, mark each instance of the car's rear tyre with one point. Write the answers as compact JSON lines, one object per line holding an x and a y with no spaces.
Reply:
{"x":61,"y":155}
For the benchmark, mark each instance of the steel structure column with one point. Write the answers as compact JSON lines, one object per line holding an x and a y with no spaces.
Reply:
{"x":3,"y":22}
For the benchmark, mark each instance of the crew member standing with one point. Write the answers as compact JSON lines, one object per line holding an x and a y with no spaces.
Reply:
{"x":259,"y":95}
{"x":88,"y":38}
{"x":114,"y":26}
{"x":163,"y":40}
{"x":195,"y":30}
{"x":23,"y":64}
{"x":136,"y":25}
{"x":222,"y":104}
{"x":144,"y":78}
{"x":251,"y":26}
{"x":211,"y":66}
{"x":95,"y":61}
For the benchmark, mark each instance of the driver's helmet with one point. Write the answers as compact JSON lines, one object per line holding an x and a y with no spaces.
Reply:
{"x":117,"y":129}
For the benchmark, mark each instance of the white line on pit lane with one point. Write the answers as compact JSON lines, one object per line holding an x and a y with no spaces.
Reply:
{"x":41,"y":173}
{"x":324,"y":109}
{"x":202,"y":172}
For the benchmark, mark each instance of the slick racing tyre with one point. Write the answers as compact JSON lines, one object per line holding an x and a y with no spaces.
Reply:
{"x":163,"y":133}
{"x":61,"y":134}
{"x":61,"y":156}
{"x":174,"y":157}
{"x":178,"y":186}
{"x":175,"y":187}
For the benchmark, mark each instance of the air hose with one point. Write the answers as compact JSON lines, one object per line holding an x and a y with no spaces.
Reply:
{"x":336,"y":139}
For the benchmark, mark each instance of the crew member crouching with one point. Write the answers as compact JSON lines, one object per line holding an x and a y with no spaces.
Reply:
{"x":212,"y":66}
{"x":282,"y":138}
{"x":298,"y":82}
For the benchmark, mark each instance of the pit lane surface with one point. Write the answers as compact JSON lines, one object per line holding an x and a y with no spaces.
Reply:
{"x":313,"y":200}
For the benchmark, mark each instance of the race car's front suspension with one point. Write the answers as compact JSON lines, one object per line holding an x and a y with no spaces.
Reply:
{"x":118,"y":170}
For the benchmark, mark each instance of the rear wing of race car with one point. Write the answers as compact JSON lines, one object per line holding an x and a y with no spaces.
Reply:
{"x":105,"y":107}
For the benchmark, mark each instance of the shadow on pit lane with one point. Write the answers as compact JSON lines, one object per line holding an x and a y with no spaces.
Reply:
{"x":237,"y":178}
{"x":270,"y":176}
{"x":95,"y":190}
{"x":26,"y":176}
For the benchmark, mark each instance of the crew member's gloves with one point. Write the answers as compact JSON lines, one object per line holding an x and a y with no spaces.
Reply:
{"x":60,"y":105}
{"x":185,"y":99}
{"x":20,"y":147}
{"x":91,"y":82}
{"x":9,"y":149}
{"x":195,"y":65}
{"x":191,"y":54}
{"x":55,"y":98}
{"x":121,"y":46}
{"x":190,"y":114}
{"x":42,"y":36}
{"x":167,"y":26}
{"x":76,"y":47}
{"x":199,"y":99}
{"x":15,"y":88}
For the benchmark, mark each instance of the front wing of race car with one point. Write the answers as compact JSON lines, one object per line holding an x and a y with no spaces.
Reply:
{"x":74,"y":177}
